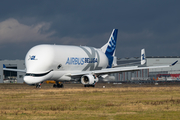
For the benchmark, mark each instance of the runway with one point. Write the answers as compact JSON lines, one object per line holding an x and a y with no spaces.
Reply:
{"x":81,"y":86}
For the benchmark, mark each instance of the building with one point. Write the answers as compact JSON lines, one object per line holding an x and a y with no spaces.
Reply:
{"x":133,"y":75}
{"x":11,"y":76}
{"x":148,"y":74}
{"x":168,"y":73}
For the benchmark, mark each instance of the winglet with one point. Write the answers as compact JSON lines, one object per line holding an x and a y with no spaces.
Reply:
{"x":4,"y":66}
{"x":174,"y":63}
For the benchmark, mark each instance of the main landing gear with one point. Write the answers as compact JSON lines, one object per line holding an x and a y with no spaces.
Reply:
{"x":57,"y":85}
{"x":89,"y":85}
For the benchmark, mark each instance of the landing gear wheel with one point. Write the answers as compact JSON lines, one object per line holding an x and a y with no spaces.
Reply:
{"x":54,"y":85}
{"x":62,"y":85}
{"x":86,"y":85}
{"x":89,"y":85}
{"x":57,"y":85}
{"x":38,"y":86}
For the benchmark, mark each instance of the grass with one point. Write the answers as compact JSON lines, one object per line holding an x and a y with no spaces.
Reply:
{"x":90,"y":103}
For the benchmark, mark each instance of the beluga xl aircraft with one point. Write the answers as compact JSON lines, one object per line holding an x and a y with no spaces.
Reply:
{"x":74,"y":63}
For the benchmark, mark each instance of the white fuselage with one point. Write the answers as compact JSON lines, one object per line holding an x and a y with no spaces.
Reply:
{"x":54,"y":62}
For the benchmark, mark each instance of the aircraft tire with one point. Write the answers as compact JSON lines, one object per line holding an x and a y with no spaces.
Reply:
{"x":58,"y":85}
{"x":88,"y":85}
{"x":38,"y":86}
{"x":62,"y":85}
{"x":54,"y":86}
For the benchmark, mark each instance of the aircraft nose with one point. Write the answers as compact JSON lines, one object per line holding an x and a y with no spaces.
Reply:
{"x":32,"y":80}
{"x":28,"y":80}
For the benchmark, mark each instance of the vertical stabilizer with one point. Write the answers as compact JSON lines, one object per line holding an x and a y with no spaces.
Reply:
{"x":110,"y":47}
{"x":143,"y":57}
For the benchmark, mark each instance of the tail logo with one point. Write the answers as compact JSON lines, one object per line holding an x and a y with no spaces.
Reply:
{"x":143,"y":57}
{"x":112,"y":45}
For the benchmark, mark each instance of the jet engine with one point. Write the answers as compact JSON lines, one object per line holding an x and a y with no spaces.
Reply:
{"x":89,"y":80}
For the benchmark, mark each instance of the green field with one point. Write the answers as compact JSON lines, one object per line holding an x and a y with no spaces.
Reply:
{"x":113,"y":103}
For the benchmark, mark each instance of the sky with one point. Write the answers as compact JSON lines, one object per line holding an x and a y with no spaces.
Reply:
{"x":150,"y":24}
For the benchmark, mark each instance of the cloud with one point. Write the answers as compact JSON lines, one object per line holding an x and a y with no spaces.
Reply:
{"x":73,"y":41}
{"x":12,"y":31}
{"x":145,"y":34}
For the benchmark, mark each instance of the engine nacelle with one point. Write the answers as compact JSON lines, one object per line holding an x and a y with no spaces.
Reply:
{"x":89,"y":79}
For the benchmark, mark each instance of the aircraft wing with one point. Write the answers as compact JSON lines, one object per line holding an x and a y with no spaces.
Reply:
{"x":118,"y":69}
{"x":16,"y":70}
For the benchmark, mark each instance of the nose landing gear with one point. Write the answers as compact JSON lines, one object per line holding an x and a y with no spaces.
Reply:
{"x":38,"y":85}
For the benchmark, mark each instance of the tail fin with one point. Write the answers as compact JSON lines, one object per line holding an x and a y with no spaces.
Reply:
{"x":110,"y":47}
{"x":143,"y":57}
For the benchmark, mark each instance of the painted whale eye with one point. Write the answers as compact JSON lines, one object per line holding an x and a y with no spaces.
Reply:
{"x":59,"y":66}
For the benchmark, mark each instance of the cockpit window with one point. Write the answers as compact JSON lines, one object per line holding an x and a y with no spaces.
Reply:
{"x":37,"y":75}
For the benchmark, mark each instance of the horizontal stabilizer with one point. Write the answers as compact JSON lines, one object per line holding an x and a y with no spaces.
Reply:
{"x":16,"y":70}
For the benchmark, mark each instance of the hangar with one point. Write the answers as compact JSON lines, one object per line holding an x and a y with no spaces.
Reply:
{"x":11,"y":76}
{"x":148,"y":74}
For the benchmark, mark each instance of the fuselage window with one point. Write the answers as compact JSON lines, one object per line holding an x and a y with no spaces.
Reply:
{"x":59,"y":66}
